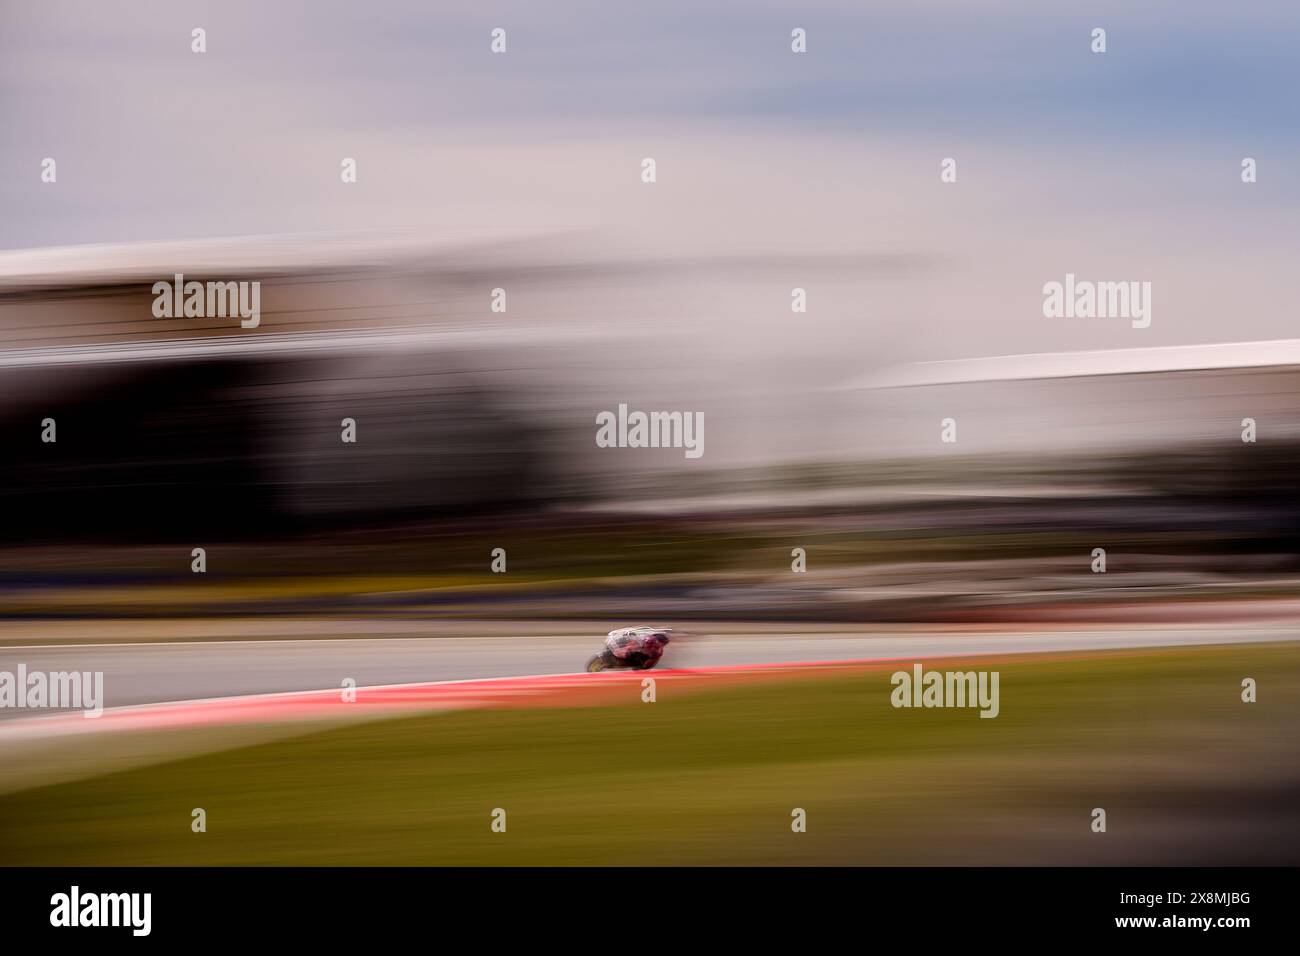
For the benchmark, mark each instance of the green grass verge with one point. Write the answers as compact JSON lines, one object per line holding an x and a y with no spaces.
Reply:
{"x":1185,"y":770}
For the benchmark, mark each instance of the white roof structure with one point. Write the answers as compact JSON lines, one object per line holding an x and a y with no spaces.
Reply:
{"x":80,"y":265}
{"x":1056,"y":365}
{"x":339,"y":342}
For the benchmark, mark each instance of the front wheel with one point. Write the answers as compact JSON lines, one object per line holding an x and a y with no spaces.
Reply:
{"x":597,"y":663}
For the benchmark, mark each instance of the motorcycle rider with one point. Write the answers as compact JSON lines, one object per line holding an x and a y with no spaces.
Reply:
{"x":641,"y":646}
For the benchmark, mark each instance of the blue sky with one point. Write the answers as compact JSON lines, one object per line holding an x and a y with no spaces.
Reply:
{"x":114,"y":85}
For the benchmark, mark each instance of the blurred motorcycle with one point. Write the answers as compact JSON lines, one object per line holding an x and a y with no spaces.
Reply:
{"x":632,"y":648}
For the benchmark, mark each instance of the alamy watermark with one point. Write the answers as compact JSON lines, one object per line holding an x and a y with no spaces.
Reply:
{"x":75,"y":908}
{"x":634,"y":429}
{"x":922,"y":688}
{"x":208,"y":300}
{"x":1084,"y":299}
{"x":53,"y":690}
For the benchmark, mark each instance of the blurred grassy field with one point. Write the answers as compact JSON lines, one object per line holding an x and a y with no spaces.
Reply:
{"x":318,"y":575}
{"x":1186,"y":771}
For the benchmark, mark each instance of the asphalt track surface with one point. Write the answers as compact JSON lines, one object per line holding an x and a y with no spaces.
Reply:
{"x":148,"y":672}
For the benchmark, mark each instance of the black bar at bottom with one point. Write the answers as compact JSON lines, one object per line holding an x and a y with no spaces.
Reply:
{"x":367,"y":906}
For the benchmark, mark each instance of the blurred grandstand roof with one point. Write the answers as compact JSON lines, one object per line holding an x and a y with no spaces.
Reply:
{"x":1053,"y":365}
